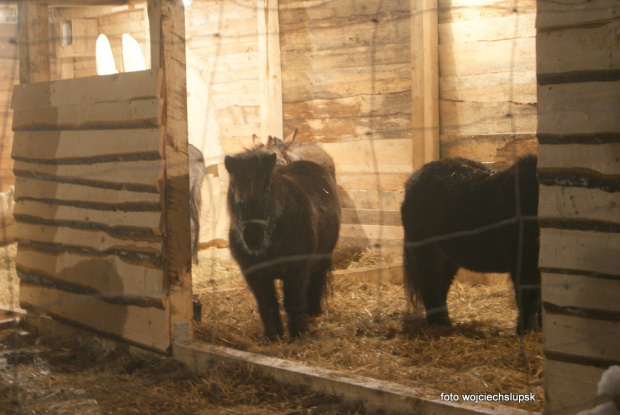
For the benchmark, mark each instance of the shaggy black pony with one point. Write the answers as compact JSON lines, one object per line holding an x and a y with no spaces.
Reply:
{"x":284,"y":224}
{"x":457,"y":213}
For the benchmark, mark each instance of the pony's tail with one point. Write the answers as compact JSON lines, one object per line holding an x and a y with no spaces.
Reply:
{"x":412,"y":278}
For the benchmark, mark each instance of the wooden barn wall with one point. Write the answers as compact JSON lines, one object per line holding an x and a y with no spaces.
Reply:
{"x":579,"y":174}
{"x":487,"y":79}
{"x":346,"y":84}
{"x":222,"y":34}
{"x":9,"y":76}
{"x":89,"y":195}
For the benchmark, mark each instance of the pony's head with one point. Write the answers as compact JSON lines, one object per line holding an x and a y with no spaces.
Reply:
{"x":252,"y":201}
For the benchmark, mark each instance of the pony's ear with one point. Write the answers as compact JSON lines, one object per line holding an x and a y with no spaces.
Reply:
{"x":256,"y":140}
{"x":271,"y":141}
{"x":291,"y":137}
{"x":231,"y":164}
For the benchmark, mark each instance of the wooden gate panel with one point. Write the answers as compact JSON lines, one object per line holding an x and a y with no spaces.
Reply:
{"x":90,"y":169}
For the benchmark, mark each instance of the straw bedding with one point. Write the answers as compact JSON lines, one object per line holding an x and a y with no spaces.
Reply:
{"x":370,"y":329}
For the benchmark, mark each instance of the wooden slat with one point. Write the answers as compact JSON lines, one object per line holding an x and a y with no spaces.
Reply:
{"x":582,"y":337}
{"x":602,"y":158}
{"x":587,"y":107}
{"x":567,"y":290}
{"x":122,"y":114}
{"x":371,"y":217}
{"x":373,"y":199}
{"x":128,"y":86}
{"x":500,"y":28}
{"x":270,"y":68}
{"x":144,"y":326}
{"x":458,"y":11}
{"x":33,"y":27}
{"x":140,"y":221}
{"x":94,"y":272}
{"x":147,"y":173}
{"x":167,"y":31}
{"x":68,"y":144}
{"x":569,"y":385}
{"x":391,"y":156}
{"x":84,"y":32}
{"x":94,"y":240}
{"x":478,"y":118}
{"x":501,"y":150}
{"x":578,"y":203}
{"x":372,"y":181}
{"x":459,"y":59}
{"x":579,"y":49}
{"x":579,"y":250}
{"x":373,"y":232}
{"x":517,"y":86}
{"x":575,"y":13}
{"x":65,"y":192}
{"x":424,"y":82}
{"x":340,"y":82}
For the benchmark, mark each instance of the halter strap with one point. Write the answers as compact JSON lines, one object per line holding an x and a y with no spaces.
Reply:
{"x":263,"y":222}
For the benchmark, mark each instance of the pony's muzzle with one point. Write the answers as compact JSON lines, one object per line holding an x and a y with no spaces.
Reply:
{"x":254,"y":233}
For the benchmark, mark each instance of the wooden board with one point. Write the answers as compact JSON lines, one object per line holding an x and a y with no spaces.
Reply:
{"x":579,"y":49}
{"x":571,"y":290}
{"x":569,"y":385}
{"x":598,"y":157}
{"x":575,"y":13}
{"x":122,"y":114}
{"x":578,"y":203}
{"x":108,"y":275}
{"x":136,"y":221}
{"x":145,"y":176}
{"x":580,"y":108}
{"x":143,"y":326}
{"x":378,"y":156}
{"x":67,"y":193}
{"x":141,"y":85}
{"x":582,"y":338}
{"x":90,"y":240}
{"x":87,"y":144}
{"x":371,"y":217}
{"x":579,"y":250}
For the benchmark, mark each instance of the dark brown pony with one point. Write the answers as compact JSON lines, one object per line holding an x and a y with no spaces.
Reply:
{"x":284,"y":225}
{"x":287,"y":151}
{"x":457,"y":213}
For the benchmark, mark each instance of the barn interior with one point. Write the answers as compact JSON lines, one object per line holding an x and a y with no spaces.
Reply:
{"x":383,"y":87}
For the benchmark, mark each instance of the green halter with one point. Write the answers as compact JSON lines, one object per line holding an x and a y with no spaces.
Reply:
{"x":263,"y":222}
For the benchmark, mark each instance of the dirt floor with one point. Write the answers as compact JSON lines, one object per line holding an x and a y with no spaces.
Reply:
{"x":368,"y":329}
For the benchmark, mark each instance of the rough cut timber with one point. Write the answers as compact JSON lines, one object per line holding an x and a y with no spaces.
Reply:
{"x":579,"y":175}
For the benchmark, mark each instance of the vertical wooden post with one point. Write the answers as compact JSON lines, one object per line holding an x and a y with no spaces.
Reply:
{"x":167,"y":26}
{"x":33,"y":35}
{"x":424,"y":81}
{"x":270,"y":69}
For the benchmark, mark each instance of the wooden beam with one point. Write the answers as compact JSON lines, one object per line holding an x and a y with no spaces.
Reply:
{"x":270,"y":69}
{"x":167,"y":23}
{"x":424,"y":81}
{"x":33,"y":29}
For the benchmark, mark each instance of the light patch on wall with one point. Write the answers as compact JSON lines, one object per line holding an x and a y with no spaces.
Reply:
{"x":104,"y":57}
{"x":133,"y":59}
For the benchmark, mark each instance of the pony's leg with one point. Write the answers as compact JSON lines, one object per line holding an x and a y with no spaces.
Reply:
{"x":266,"y":297}
{"x":527,"y":294}
{"x":294,"y":288}
{"x":317,"y":287}
{"x":430,"y":274}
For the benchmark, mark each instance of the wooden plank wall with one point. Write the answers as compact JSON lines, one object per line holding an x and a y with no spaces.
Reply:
{"x":223,"y":34}
{"x":487,"y":84}
{"x":579,"y":173}
{"x":9,"y":76}
{"x":89,"y":195}
{"x":346,"y":80}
